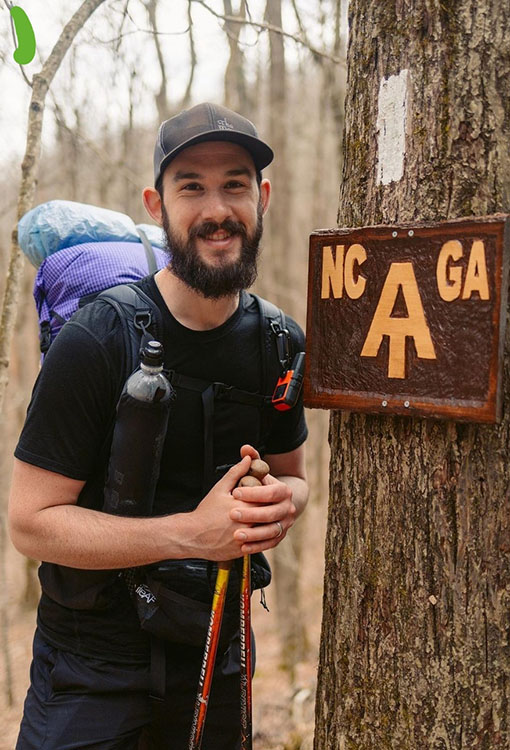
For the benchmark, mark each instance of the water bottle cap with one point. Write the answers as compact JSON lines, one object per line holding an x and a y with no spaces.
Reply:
{"x":153,"y":354}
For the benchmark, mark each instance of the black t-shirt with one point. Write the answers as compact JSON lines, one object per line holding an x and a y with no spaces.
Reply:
{"x":70,"y":417}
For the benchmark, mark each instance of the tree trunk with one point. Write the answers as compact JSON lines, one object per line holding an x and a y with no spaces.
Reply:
{"x":287,"y":556}
{"x":277,"y":133}
{"x":162,"y":95}
{"x":415,"y":642}
{"x":186,"y":99}
{"x":235,"y":92}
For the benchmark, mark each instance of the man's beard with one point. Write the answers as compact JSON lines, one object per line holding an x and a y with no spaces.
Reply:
{"x":214,"y":281}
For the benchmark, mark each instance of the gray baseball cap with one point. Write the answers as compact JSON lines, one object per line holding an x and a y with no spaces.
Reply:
{"x":207,"y":122}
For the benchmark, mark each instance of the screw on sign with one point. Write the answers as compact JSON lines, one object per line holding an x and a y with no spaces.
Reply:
{"x":24,"y":34}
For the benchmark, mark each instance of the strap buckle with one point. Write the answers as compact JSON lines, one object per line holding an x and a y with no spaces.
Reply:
{"x":282,"y":336}
{"x":142,"y":320}
{"x":223,"y":391}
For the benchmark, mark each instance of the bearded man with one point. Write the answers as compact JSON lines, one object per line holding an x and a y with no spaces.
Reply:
{"x":90,"y":677}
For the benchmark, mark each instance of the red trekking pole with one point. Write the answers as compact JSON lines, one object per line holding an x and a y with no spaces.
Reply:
{"x":211,"y":647}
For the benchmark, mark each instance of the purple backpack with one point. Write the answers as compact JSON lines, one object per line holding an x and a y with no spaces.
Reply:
{"x":73,"y":276}
{"x":81,"y":250}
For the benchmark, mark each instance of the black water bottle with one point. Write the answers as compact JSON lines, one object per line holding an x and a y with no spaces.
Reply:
{"x":140,"y":430}
{"x":149,"y":383}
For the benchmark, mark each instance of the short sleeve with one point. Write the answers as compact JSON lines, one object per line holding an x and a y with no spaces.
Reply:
{"x":74,"y":398}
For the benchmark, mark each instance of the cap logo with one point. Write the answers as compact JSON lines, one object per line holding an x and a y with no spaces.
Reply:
{"x":224,"y":125}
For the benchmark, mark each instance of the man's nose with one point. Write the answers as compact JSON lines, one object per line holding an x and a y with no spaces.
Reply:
{"x":216,"y":207}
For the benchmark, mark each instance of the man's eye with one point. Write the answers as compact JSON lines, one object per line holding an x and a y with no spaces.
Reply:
{"x":233,"y":184}
{"x":192,"y":186}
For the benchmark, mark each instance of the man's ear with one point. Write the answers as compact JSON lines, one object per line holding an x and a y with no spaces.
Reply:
{"x":265,"y":194}
{"x":152,"y":202}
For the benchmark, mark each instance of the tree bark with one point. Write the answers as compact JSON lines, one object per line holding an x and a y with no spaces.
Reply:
{"x":29,"y":168}
{"x":415,"y":643}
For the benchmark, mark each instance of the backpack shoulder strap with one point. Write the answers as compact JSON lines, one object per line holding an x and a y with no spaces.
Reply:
{"x":140,"y":317}
{"x":273,"y":328}
{"x":152,"y":263}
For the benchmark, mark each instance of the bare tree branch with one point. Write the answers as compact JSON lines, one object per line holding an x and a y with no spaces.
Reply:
{"x":270,"y":27}
{"x":247,"y":10}
{"x":125,"y":15}
{"x":302,"y":29}
{"x":161,"y":96}
{"x":29,"y":168}
{"x":193,"y":61}
{"x":138,"y":30}
{"x":131,"y":177}
{"x":50,"y":175}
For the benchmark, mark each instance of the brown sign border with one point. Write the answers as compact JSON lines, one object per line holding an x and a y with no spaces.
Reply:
{"x":488,"y":411}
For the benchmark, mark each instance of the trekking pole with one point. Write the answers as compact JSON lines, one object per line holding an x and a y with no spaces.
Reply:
{"x":258,"y":471}
{"x":211,"y":647}
{"x":209,"y":658}
{"x":212,"y":638}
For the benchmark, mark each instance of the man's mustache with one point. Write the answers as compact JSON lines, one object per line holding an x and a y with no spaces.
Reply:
{"x":207,"y":228}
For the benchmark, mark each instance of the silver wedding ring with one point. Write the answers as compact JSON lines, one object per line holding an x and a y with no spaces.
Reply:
{"x":280,"y":527}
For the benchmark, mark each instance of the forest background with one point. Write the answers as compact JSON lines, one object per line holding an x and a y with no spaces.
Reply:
{"x":133,"y":64}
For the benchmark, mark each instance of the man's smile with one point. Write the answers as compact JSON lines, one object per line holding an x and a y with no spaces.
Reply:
{"x":221,"y":235}
{"x":220,"y":240}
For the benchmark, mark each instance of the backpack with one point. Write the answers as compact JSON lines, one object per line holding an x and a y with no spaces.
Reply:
{"x":74,"y":276}
{"x":81,"y":250}
{"x":57,"y":224}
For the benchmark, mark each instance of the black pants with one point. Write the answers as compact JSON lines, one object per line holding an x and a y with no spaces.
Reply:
{"x":75,"y":702}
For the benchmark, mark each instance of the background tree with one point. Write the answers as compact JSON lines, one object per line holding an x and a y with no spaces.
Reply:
{"x":414,"y":648}
{"x":161,"y":95}
{"x":236,"y":94}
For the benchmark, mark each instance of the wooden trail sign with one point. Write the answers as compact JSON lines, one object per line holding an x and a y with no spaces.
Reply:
{"x":409,"y":319}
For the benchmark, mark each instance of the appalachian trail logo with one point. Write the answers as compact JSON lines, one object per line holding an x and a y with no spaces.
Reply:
{"x":24,"y":34}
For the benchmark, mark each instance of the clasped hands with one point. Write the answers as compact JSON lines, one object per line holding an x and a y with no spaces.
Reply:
{"x":266,"y":513}
{"x":233,"y":521}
